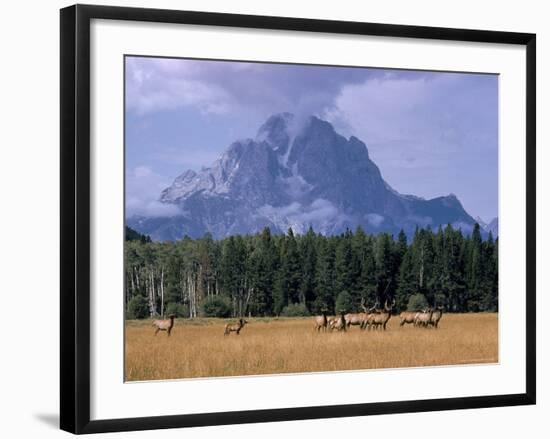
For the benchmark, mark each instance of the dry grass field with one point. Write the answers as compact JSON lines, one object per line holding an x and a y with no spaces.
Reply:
{"x":198,"y":348}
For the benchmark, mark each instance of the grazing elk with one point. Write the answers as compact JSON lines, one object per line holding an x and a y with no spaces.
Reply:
{"x":321,"y":321}
{"x":164,"y":325}
{"x":235,"y":327}
{"x":369,"y":317}
{"x":339,"y":323}
{"x":436,"y":316}
{"x":423,"y":317}
{"x":380,"y":318}
{"x":407,"y":317}
{"x":357,"y":319}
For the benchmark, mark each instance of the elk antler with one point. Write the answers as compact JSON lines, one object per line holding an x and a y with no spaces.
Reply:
{"x":389,"y":308}
{"x":369,"y":310}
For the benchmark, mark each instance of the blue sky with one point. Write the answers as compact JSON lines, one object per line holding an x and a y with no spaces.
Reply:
{"x":430,"y":133}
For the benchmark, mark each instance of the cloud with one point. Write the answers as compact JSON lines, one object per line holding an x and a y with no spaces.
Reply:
{"x":281,"y":211}
{"x":189,"y":157}
{"x":143,"y":187}
{"x":374,"y":219}
{"x":320,"y":214}
{"x":419,"y":121}
{"x":319,"y":211}
{"x":142,"y":172}
{"x":174,"y":93}
{"x":139,"y":207}
{"x":219,"y":87}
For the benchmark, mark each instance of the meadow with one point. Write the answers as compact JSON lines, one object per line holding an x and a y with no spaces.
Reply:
{"x":198,"y":347}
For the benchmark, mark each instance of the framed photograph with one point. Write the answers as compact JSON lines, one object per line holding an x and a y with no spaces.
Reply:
{"x":303,"y":218}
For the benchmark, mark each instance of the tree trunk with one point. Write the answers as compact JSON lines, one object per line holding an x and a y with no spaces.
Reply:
{"x":421,"y":283}
{"x":189,"y":297}
{"x":132,"y":282}
{"x":152,"y":306}
{"x":162,"y":292}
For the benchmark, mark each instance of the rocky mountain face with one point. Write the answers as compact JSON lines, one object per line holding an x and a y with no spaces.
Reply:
{"x":294,"y":174}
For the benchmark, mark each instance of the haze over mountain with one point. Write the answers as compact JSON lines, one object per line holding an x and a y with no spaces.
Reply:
{"x":491,"y":226}
{"x":295,"y":173}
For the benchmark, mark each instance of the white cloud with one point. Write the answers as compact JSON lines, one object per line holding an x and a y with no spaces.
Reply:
{"x":418,"y":121}
{"x":175,"y":93}
{"x":143,"y":187}
{"x":321,"y":214}
{"x":152,"y":208}
{"x":385,"y":111}
{"x":219,"y":87}
{"x":282,"y":211}
{"x":374,"y":219}
{"x":142,"y":172}
{"x":189,"y":157}
{"x":160,"y":84}
{"x":319,"y":211}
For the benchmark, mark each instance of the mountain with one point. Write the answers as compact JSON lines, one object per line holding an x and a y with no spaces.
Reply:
{"x":489,"y":227}
{"x":492,"y":227}
{"x":294,"y":174}
{"x":481,"y":223}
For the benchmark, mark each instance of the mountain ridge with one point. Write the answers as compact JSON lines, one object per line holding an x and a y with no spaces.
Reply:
{"x":295,"y":173}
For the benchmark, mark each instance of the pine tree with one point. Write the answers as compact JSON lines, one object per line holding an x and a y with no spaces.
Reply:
{"x":474,"y":273}
{"x":324,"y":276}
{"x":384,"y":270}
{"x":343,"y":265}
{"x":365,"y":275}
{"x":265,"y":264}
{"x":262,"y":274}
{"x":287,"y":289}
{"x":400,"y":247}
{"x":408,"y":284}
{"x":489,"y":284}
{"x":308,"y":256}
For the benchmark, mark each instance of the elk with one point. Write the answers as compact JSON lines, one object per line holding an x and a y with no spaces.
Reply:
{"x":164,"y":325}
{"x":369,"y":316}
{"x":339,"y":322}
{"x":331,"y":321}
{"x":357,"y":319}
{"x":380,"y":317}
{"x":235,"y":327}
{"x":407,"y":317}
{"x":423,"y":317}
{"x":321,"y":321}
{"x":436,"y":316}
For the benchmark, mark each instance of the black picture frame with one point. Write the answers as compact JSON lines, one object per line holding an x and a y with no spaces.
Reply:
{"x":75,"y":217}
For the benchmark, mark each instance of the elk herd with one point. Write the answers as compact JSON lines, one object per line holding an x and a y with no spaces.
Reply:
{"x":428,"y":317}
{"x":375,"y":318}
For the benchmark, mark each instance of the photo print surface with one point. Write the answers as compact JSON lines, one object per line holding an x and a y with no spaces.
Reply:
{"x":289,"y":218}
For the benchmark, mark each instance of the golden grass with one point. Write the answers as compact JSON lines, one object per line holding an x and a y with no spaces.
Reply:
{"x":268,"y":346}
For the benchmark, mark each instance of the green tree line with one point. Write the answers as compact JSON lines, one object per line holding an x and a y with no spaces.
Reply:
{"x":268,"y":275}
